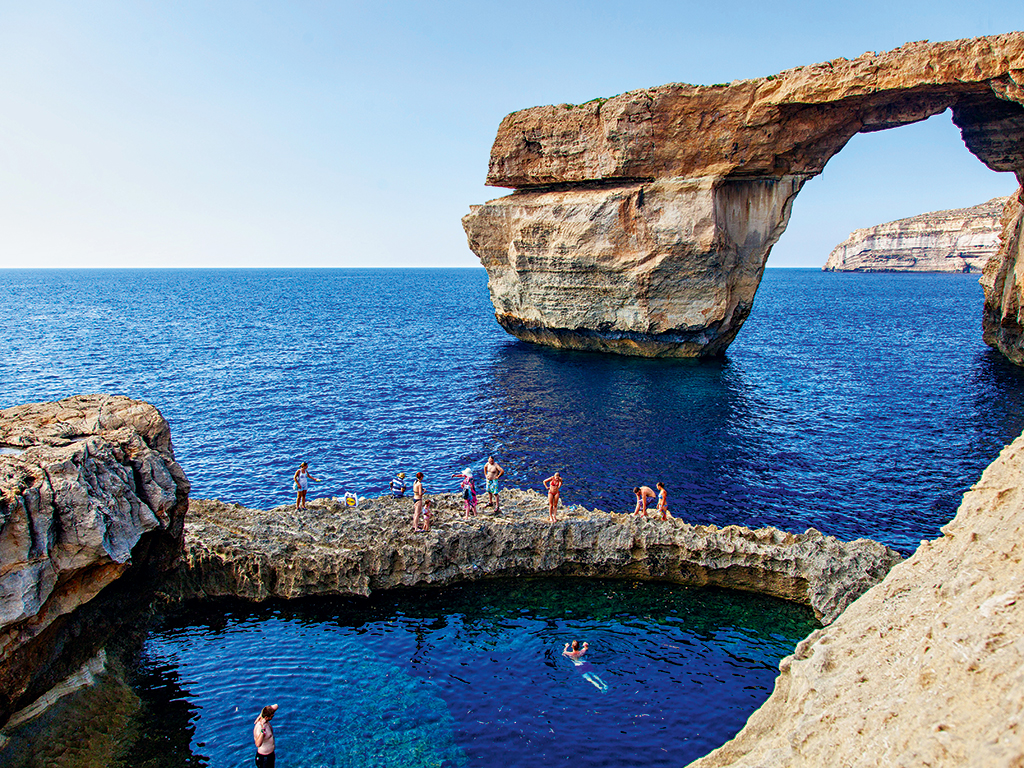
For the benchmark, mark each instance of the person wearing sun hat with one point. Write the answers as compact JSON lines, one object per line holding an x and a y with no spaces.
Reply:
{"x":398,"y":485}
{"x":468,"y":490}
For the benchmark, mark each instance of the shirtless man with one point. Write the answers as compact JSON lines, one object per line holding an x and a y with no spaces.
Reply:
{"x":643,"y":493}
{"x":417,"y":501}
{"x":576,"y":651}
{"x":492,"y":471}
{"x":662,"y":501}
{"x":263,"y":735}
{"x":552,"y":484}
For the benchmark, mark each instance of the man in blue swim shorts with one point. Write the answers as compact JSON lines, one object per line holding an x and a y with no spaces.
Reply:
{"x":492,"y":471}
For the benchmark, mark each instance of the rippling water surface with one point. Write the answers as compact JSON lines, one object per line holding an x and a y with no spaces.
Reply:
{"x":472,"y":675}
{"x":862,"y":405}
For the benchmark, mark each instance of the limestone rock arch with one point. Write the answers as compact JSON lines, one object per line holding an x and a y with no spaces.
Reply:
{"x":641,"y":224}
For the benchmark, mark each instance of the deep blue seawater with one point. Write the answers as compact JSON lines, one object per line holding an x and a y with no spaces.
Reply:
{"x":862,"y":405}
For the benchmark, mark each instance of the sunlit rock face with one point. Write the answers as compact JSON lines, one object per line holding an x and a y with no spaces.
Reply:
{"x":641,"y":224}
{"x":1003,"y":281}
{"x":91,"y":502}
{"x":958,"y":240}
{"x":925,"y":668}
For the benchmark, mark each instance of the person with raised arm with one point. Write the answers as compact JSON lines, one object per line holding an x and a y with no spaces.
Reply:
{"x":263,"y":735}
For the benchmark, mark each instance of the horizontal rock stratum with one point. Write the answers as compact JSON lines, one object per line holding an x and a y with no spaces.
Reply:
{"x":957,"y":240}
{"x":641,"y":224}
{"x":89,"y":493}
{"x":331,"y":549}
{"x":927,"y":668}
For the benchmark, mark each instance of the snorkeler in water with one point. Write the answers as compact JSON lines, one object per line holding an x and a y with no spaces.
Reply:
{"x":584,"y":667}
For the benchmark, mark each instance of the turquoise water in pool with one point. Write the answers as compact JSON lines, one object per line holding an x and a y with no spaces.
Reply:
{"x":467,"y":676}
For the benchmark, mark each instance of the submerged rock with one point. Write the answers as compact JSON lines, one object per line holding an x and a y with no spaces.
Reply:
{"x":957,"y":240}
{"x":332,"y":549}
{"x":923,"y":669}
{"x":641,"y":224}
{"x":90,"y":494}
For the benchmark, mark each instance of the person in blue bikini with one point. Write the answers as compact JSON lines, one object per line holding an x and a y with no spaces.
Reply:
{"x":583,"y":667}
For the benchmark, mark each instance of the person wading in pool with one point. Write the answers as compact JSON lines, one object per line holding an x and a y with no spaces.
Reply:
{"x":301,"y":483}
{"x":553,"y":484}
{"x":263,"y":735}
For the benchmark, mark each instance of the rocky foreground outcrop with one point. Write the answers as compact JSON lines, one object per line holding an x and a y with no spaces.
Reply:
{"x":332,"y":549}
{"x":641,"y":224}
{"x":92,"y":505}
{"x":957,"y":240}
{"x":927,"y":668}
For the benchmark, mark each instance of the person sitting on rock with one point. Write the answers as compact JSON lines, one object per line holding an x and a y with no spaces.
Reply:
{"x":398,"y":485}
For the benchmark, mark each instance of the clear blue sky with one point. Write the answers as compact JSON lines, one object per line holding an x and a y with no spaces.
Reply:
{"x":254,"y":134}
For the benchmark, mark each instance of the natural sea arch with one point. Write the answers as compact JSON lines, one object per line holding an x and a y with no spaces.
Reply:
{"x":641,"y":224}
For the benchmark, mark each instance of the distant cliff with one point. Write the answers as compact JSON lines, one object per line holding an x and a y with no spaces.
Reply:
{"x":958,"y":240}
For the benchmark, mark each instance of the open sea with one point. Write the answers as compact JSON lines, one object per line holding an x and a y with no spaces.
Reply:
{"x":861,"y":405}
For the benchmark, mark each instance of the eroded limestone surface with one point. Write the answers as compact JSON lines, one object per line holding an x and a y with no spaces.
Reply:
{"x":330,"y":549}
{"x":927,"y":668}
{"x":641,"y":224}
{"x":89,"y":492}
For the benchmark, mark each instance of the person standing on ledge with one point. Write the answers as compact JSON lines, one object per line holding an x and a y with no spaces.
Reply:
{"x":553,"y":484}
{"x":468,"y":490}
{"x":417,"y":501}
{"x":263,"y":735}
{"x":663,"y":501}
{"x":643,"y":493}
{"x":301,"y":483}
{"x":492,"y":471}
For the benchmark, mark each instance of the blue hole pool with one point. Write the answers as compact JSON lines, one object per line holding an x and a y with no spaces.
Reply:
{"x":465,"y":676}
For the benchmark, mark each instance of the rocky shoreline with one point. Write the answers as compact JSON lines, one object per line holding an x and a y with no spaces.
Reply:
{"x":921,"y":669}
{"x":331,"y":549}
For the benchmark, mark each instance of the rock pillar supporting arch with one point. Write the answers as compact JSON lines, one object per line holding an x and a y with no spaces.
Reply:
{"x":641,"y":224}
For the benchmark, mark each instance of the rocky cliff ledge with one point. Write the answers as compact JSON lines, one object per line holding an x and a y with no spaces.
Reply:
{"x":957,"y":240}
{"x":332,"y":549}
{"x":1003,"y":282}
{"x":927,"y":668}
{"x":91,"y":502}
{"x":641,"y":224}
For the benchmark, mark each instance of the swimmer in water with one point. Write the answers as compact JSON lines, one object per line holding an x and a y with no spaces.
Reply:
{"x":584,"y":667}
